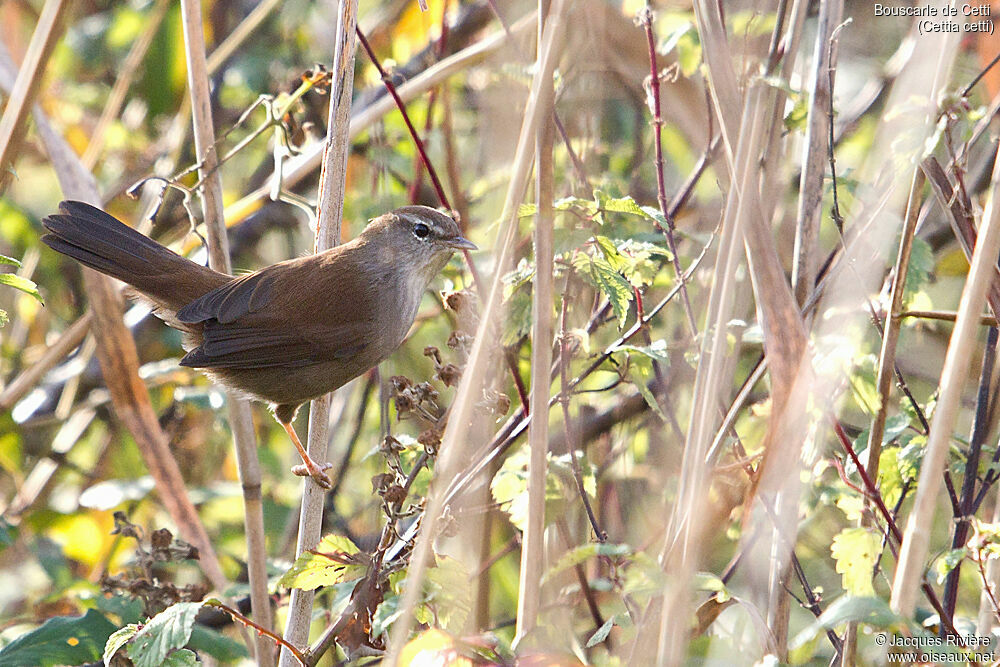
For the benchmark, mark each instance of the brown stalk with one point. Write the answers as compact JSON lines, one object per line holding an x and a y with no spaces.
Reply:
{"x":909,"y":572}
{"x":120,"y":366}
{"x":454,"y":442}
{"x":646,"y":20}
{"x":529,"y":599}
{"x":29,"y":78}
{"x":240,"y":417}
{"x":330,"y":211}
{"x":890,"y":336}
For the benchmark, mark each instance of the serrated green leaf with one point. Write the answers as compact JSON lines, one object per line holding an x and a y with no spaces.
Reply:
{"x":610,"y":251}
{"x":62,"y":640}
{"x":167,"y":631}
{"x":4,"y":259}
{"x":623,"y":205}
{"x":527,"y":210}
{"x":655,"y":214}
{"x":895,"y":426}
{"x":117,"y":640}
{"x":22,"y":284}
{"x":597,"y":272}
{"x":856,"y":550}
{"x":335,"y":559}
{"x":181,"y":658}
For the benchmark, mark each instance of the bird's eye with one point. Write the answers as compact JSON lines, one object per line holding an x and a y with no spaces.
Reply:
{"x":421,"y":231}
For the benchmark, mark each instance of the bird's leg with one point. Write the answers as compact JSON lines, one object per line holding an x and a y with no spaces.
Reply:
{"x":308,"y":466}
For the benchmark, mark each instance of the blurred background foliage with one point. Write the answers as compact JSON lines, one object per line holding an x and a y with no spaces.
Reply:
{"x":68,"y":465}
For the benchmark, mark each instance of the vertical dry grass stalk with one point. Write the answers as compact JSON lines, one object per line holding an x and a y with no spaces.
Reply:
{"x":807,"y":217}
{"x":330,"y":208}
{"x":454,"y":442}
{"x":120,"y":366}
{"x":913,"y":552}
{"x":533,"y":545}
{"x":29,"y":78}
{"x":240,"y":416}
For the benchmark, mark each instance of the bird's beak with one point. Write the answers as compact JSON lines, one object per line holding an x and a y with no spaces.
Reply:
{"x":461,"y":243}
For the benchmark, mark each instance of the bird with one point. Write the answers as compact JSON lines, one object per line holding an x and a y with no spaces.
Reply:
{"x":287,"y":333}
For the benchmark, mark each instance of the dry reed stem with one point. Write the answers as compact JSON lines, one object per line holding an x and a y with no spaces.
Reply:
{"x":784,"y":331}
{"x":890,"y":336}
{"x":29,"y":78}
{"x":119,"y":365}
{"x":453,"y":446}
{"x":330,"y":208}
{"x":916,"y":538}
{"x":533,"y":544}
{"x":25,"y":381}
{"x":811,"y":182}
{"x":240,"y":416}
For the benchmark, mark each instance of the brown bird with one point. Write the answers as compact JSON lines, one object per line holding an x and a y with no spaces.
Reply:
{"x":292,"y":331}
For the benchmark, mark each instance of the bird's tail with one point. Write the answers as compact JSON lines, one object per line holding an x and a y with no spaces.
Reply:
{"x":100,"y":241}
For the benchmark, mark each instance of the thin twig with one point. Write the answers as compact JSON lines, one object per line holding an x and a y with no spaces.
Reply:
{"x":646,"y":20}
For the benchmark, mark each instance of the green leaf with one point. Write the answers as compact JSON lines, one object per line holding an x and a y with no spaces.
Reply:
{"x":117,"y":640}
{"x":609,"y":249}
{"x":181,"y":658}
{"x":4,"y":259}
{"x":527,"y":210}
{"x":948,"y":561}
{"x":600,"y":274}
{"x":870,"y":610}
{"x":510,"y":485}
{"x":657,"y":350}
{"x":448,"y":593}
{"x":895,"y":426}
{"x":910,"y":458}
{"x":889,"y":479}
{"x":623,"y":205}
{"x":585,"y":552}
{"x":335,"y":559}
{"x":167,"y":631}
{"x":62,"y":640}
{"x":19,"y":283}
{"x":217,"y":645}
{"x":856,"y":550}
{"x":601,"y":633}
{"x":920,"y":269}
{"x":641,"y":374}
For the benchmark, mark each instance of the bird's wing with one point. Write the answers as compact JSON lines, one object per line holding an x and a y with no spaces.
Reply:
{"x":290,"y":314}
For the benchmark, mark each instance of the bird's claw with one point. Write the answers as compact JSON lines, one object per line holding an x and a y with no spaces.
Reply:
{"x":314,"y":470}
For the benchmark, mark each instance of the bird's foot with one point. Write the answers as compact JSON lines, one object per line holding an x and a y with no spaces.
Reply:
{"x":310,"y":468}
